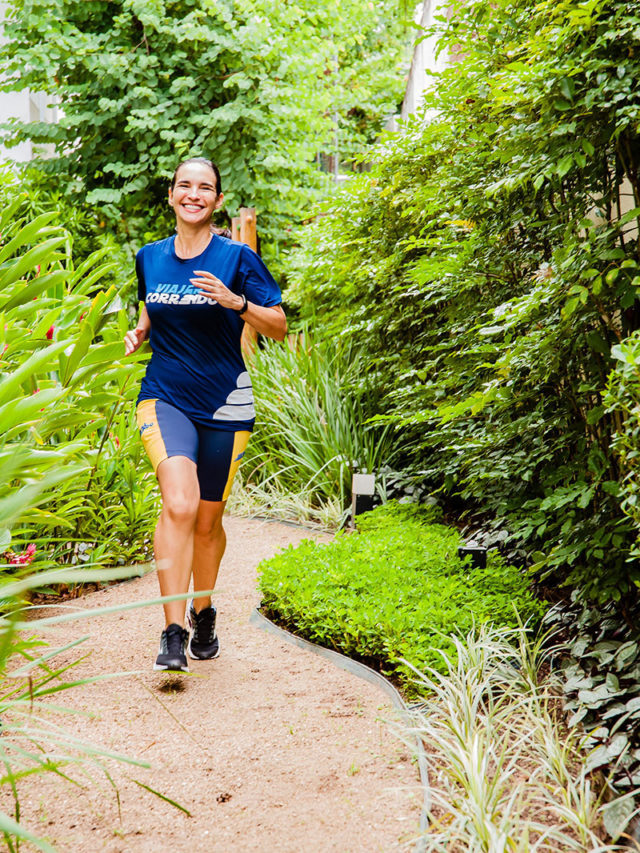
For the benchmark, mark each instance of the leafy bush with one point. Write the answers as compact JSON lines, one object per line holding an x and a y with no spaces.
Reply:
{"x":488,"y":264}
{"x":397,"y":589}
{"x":600,"y":671}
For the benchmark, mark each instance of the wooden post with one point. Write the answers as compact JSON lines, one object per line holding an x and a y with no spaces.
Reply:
{"x":243,"y":230}
{"x":248,"y":231}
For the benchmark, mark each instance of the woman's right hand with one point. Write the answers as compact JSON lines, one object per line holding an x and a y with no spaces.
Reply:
{"x":134,"y":339}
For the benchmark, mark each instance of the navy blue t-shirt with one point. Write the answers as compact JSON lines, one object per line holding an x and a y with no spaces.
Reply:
{"x":196,"y":363}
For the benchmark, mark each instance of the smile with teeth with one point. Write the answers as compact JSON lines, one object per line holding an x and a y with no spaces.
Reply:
{"x":192,"y":206}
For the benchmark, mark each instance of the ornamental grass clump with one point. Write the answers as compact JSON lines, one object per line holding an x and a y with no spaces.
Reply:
{"x":312,"y":425}
{"x":394,"y":592}
{"x":506,"y":773}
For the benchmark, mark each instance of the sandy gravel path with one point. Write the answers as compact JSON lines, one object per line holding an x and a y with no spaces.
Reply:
{"x":270,"y":747}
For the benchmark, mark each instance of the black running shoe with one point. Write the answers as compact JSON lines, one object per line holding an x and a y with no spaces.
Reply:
{"x":203,"y":643}
{"x":171,"y":654}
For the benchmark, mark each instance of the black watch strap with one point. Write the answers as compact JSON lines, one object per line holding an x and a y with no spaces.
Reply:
{"x":245,"y":305}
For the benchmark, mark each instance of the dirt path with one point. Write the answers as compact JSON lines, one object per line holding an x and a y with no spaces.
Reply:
{"x":270,"y":747}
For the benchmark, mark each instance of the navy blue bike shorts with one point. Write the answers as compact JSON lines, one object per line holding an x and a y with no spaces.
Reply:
{"x":165,"y":431}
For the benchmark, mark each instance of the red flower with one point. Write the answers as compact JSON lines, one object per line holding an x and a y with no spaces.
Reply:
{"x":21,"y":559}
{"x":50,"y":331}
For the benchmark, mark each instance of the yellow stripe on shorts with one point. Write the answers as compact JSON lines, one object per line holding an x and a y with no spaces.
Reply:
{"x":150,"y":432}
{"x":240,"y":441}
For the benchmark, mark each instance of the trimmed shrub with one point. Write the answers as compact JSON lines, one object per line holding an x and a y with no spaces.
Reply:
{"x":396,"y":589}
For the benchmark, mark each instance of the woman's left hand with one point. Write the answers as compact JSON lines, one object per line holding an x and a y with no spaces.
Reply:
{"x":212,"y":287}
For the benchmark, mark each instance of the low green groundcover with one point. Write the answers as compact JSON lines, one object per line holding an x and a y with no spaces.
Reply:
{"x":396,"y":589}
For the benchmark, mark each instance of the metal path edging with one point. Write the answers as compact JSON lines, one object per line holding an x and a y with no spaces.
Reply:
{"x":361,"y":670}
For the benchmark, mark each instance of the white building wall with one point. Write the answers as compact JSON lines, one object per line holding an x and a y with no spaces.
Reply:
{"x":23,"y":105}
{"x":424,"y":57}
{"x":15,"y":105}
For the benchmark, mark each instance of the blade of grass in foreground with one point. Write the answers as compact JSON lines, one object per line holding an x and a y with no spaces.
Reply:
{"x":163,"y":797}
{"x":11,"y":828}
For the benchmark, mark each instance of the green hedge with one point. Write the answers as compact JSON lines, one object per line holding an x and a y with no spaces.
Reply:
{"x":397,"y":589}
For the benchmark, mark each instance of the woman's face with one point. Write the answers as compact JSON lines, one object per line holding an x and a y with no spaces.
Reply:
{"x":194,"y":196}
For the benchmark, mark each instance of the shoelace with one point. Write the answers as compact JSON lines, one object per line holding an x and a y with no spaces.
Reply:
{"x":175,"y":639}
{"x":204,"y":625}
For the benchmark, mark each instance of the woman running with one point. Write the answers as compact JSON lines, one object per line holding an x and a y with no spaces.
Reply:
{"x":195,"y":408}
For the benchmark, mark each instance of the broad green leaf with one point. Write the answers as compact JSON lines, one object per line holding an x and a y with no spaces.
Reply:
{"x":42,"y":359}
{"x":34,"y":288}
{"x":29,"y":233}
{"x":40,"y":254}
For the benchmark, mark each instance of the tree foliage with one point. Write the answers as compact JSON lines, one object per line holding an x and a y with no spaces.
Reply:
{"x":489,"y":264}
{"x":143,"y":83}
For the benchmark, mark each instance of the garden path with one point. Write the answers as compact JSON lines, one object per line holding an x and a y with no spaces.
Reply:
{"x":270,"y":747}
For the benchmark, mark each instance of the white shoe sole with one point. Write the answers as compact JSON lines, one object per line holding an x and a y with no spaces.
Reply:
{"x":195,"y":657}
{"x":159,"y":668}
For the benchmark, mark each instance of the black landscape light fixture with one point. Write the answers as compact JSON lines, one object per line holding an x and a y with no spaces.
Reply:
{"x":363,"y":488}
{"x":477,"y":553}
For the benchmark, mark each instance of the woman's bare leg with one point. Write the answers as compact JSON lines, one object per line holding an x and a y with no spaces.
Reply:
{"x":174,"y":536}
{"x":209,"y":542}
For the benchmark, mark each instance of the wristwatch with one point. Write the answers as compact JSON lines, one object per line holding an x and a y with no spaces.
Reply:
{"x":245,"y":305}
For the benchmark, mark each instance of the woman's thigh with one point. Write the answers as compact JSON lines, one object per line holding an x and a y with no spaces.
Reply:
{"x":166,"y":432}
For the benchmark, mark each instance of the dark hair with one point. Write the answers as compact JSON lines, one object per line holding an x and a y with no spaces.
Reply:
{"x":206,"y":162}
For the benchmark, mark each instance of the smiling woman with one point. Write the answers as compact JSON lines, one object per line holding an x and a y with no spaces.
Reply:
{"x":195,"y":409}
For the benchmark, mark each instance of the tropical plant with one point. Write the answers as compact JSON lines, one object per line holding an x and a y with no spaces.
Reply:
{"x":486,"y":267}
{"x":66,"y":397}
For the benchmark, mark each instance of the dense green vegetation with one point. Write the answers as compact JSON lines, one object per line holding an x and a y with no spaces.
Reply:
{"x":488,"y":268}
{"x":396,"y":590}
{"x":71,"y":488}
{"x":256,"y":86}
{"x":70,"y":461}
{"x":472,"y":300}
{"x":600,"y":648}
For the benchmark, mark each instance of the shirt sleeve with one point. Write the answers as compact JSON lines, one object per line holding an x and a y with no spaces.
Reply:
{"x":142,"y":287}
{"x":256,"y":282}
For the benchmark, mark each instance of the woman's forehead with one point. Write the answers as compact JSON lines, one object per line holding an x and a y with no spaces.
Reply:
{"x":198,"y":172}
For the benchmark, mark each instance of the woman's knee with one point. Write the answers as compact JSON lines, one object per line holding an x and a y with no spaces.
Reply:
{"x":209,"y":526}
{"x":181,"y":507}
